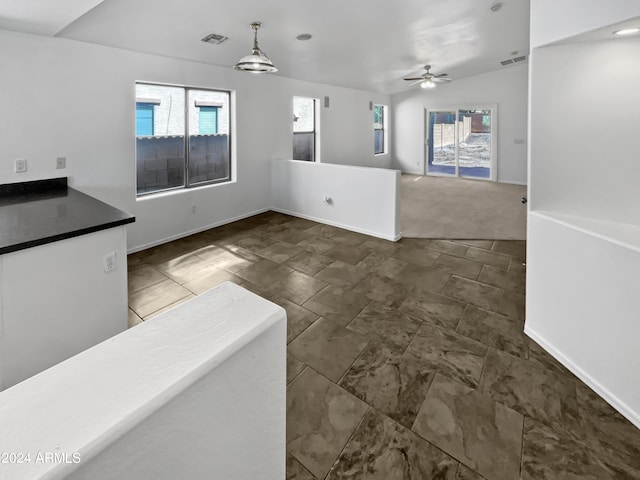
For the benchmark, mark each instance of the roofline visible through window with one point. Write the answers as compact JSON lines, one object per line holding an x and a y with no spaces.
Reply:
{"x":153,"y":101}
{"x":204,"y":103}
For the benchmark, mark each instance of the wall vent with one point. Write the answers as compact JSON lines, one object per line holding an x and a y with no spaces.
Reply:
{"x":509,"y":61}
{"x":215,"y":39}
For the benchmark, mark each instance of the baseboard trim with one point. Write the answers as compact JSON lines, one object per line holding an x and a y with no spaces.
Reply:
{"x":613,"y":400}
{"x":171,"y":238}
{"x":194,"y":231}
{"x":339,"y":225}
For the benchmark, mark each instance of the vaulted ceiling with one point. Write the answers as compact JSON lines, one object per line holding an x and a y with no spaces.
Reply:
{"x":362,"y":44}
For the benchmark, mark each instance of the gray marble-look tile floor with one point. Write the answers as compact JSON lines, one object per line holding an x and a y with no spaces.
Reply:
{"x":406,"y":360}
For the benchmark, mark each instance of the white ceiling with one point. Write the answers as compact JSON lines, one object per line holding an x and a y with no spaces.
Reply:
{"x":362,"y":44}
{"x":42,"y":17}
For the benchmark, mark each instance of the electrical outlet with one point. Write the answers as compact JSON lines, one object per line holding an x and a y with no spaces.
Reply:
{"x":110,"y":263}
{"x":21,"y":165}
{"x":61,"y":162}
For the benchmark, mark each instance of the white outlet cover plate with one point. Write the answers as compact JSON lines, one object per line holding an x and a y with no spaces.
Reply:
{"x":110,"y":262}
{"x":21,"y":165}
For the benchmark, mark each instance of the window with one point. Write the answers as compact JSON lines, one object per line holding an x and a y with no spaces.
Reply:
{"x":304,"y":128}
{"x":379,"y":134}
{"x":208,"y":120}
{"x":182,"y":137}
{"x":144,"y":119}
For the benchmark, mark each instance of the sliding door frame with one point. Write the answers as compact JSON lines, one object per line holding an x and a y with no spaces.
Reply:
{"x":494,"y":138}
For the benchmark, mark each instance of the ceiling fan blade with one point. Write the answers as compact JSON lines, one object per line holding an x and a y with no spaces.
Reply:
{"x":416,"y":78}
{"x":441,"y":80}
{"x":442,"y":75}
{"x":415,"y":83}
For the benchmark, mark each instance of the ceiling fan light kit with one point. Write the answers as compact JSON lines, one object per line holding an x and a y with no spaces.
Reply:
{"x":627,"y":31}
{"x":257,"y":61}
{"x":428,"y":79}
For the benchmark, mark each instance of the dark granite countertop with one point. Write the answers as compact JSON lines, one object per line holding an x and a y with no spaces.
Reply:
{"x":44,"y":211}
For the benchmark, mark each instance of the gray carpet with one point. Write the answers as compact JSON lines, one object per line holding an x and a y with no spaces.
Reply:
{"x":441,"y":207}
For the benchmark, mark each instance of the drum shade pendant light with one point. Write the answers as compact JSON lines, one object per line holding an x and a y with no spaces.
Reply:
{"x":257,"y":62}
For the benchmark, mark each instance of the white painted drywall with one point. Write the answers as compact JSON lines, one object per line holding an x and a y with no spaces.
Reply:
{"x":584,"y":136}
{"x":506,"y":88}
{"x":583,"y":298}
{"x":365,"y":200}
{"x":583,"y":248}
{"x":552,"y":20}
{"x":57,"y":301}
{"x":196,"y":392}
{"x":77,"y":100}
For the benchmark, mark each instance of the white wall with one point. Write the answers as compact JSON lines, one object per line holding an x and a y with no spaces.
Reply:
{"x":215,"y":407}
{"x":552,"y":20}
{"x":365,"y":200}
{"x":507,"y":88}
{"x":583,"y":241}
{"x":56,"y":301}
{"x":584,"y":142}
{"x":67,"y":98}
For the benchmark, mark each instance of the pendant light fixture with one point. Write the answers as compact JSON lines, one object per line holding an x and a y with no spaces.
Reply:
{"x":257,"y":61}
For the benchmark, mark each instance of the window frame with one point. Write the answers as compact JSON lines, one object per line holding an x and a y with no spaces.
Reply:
{"x":382,"y":129}
{"x":316,"y":124}
{"x":187,"y":108}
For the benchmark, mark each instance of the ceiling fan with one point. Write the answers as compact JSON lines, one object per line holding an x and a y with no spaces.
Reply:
{"x":428,"y":79}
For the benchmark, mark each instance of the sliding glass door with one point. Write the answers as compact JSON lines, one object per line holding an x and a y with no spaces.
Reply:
{"x":461,"y":142}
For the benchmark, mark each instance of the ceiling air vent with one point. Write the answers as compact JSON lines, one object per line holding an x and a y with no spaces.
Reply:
{"x":506,"y":62}
{"x":520,"y":59}
{"x":215,"y":39}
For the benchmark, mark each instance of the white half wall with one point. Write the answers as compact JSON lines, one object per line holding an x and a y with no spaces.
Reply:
{"x":364,"y":200}
{"x":77,"y":100}
{"x":552,"y":21}
{"x":196,"y":392}
{"x":506,"y":88}
{"x":583,"y":298}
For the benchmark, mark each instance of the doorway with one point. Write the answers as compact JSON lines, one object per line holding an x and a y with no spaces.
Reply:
{"x":461,"y":142}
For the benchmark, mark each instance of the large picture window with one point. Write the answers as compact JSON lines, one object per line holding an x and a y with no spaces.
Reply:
{"x":182,"y":137}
